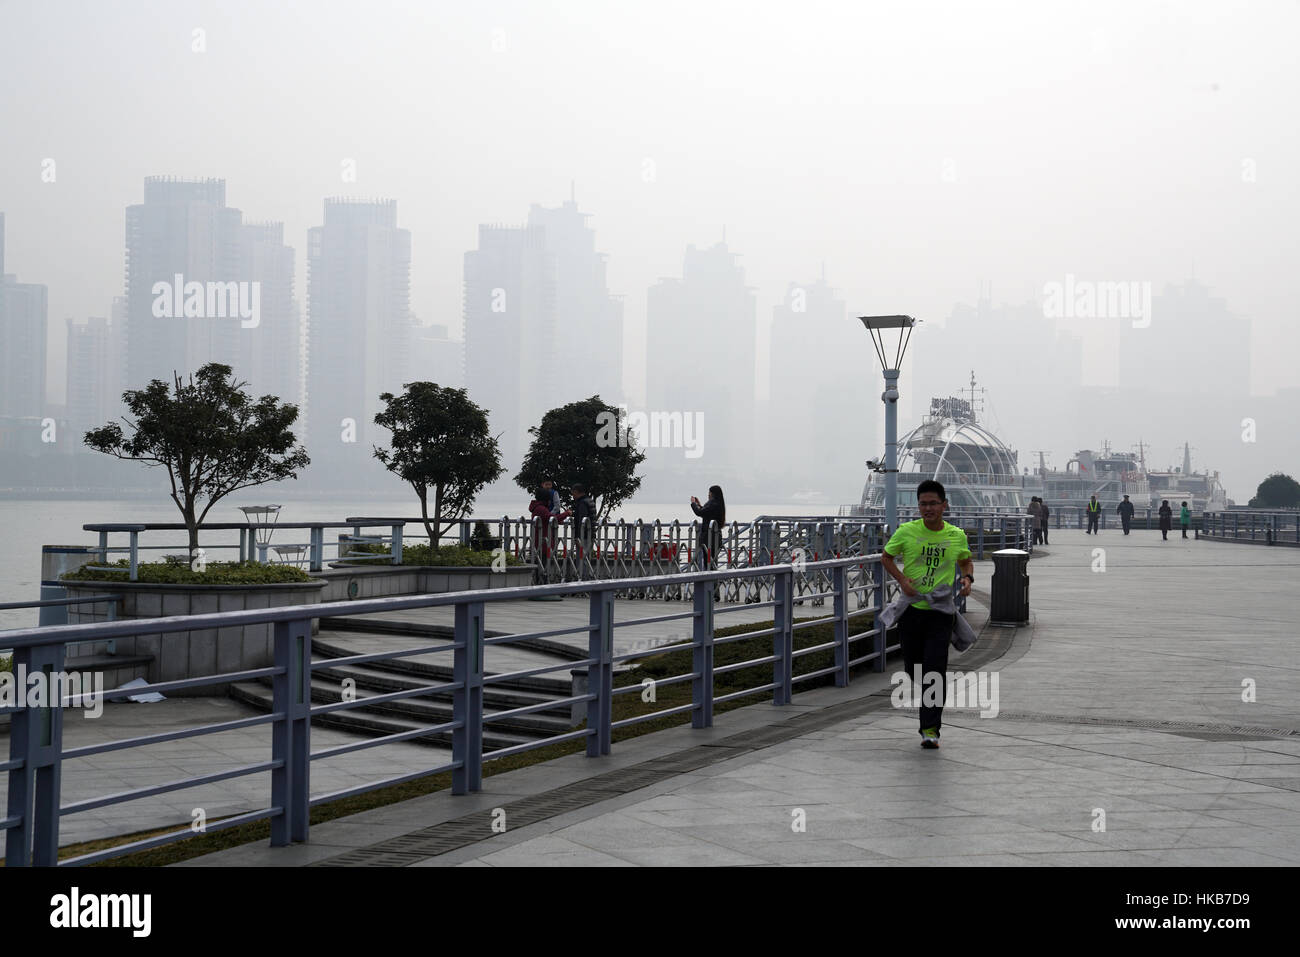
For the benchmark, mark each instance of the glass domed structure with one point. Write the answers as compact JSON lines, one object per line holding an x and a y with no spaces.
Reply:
{"x":977,"y":469}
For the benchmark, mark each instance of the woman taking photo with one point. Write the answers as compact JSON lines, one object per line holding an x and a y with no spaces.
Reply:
{"x":710,"y":541}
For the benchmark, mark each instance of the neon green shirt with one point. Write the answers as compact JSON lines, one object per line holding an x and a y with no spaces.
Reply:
{"x":929,"y":558}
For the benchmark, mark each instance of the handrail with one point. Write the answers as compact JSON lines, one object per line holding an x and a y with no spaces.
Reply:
{"x":36,"y":744}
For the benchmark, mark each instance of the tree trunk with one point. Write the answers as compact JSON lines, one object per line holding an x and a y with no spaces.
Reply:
{"x":423,"y":493}
{"x":192,"y":527}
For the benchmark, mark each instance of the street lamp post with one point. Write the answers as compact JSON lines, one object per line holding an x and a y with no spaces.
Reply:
{"x":877,"y":328}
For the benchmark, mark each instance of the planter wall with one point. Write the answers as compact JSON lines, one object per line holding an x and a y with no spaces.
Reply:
{"x":194,"y":654}
{"x":345,"y":581}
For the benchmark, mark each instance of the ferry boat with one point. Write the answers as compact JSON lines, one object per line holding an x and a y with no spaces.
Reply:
{"x":1200,"y":490}
{"x":977,"y":469}
{"x":1107,"y":474}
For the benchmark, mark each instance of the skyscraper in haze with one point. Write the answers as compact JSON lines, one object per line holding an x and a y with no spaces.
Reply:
{"x":95,"y":370}
{"x":820,"y":361}
{"x":23,"y":308}
{"x":701,"y":340}
{"x":359,"y":329}
{"x":269,"y":353}
{"x":182,"y":233}
{"x":541,"y":329}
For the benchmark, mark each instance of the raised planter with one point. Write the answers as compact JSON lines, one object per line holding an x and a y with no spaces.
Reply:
{"x":352,"y":580}
{"x":194,"y":654}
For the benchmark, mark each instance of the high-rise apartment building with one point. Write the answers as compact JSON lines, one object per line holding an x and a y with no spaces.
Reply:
{"x":541,"y":329}
{"x":182,"y":255}
{"x":359,"y":330}
{"x":701,"y":344}
{"x":95,"y":367}
{"x":820,"y":360}
{"x":23,"y":308}
{"x":269,"y":353}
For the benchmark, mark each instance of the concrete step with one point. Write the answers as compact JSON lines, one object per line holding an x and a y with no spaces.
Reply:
{"x":346,"y":643}
{"x":382,"y":681}
{"x":369,"y":722}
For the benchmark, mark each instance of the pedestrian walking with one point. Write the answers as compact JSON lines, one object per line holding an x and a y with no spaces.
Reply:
{"x":1094,"y":513}
{"x":1036,"y":511}
{"x":1047,"y":512}
{"x":1185,"y":518}
{"x":1125,"y":509}
{"x":1166,"y":519}
{"x":931,"y":550}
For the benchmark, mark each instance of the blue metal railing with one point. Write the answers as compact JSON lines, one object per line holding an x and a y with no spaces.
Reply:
{"x":1250,"y":525}
{"x":31,"y":824}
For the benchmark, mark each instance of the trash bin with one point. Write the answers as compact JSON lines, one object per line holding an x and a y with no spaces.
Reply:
{"x":1010,"y":604}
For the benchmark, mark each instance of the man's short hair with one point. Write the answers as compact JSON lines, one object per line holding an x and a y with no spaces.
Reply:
{"x":578,"y":490}
{"x":930,"y":485}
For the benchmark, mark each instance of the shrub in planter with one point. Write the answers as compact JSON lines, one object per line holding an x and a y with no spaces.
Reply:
{"x":454,"y":556}
{"x":181,"y":573}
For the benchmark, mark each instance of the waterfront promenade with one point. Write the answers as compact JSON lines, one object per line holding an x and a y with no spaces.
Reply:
{"x":1124,"y":697}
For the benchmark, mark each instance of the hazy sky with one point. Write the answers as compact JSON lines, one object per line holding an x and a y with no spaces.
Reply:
{"x":917,"y":149}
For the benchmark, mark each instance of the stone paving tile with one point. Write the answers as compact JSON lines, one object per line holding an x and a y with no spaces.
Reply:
{"x":552,"y":851}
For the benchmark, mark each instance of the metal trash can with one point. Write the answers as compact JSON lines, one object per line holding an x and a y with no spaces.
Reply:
{"x":1010,"y":603}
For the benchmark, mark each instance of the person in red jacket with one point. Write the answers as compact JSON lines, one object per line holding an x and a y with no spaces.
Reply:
{"x":540,"y":509}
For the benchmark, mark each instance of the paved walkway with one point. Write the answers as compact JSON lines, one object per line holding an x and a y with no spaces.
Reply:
{"x":1122,"y":737}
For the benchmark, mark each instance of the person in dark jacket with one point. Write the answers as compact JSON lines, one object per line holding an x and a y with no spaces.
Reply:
{"x":1166,"y":519}
{"x":1185,"y":518}
{"x":1046,"y":514}
{"x":1093,"y":508}
{"x":710,"y":540}
{"x":584,"y":517}
{"x":1036,"y":511}
{"x":1125,"y":509}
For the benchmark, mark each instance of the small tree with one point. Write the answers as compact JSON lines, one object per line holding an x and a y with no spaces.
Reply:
{"x":1277,"y":491}
{"x":584,"y":443}
{"x":212,"y":438}
{"x":440,"y":442}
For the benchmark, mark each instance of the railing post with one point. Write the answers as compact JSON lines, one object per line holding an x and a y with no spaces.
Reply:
{"x":840,"y":583}
{"x":878,"y":580}
{"x":261,"y":552}
{"x":782,"y":636}
{"x":36,"y":739}
{"x":464,"y":533}
{"x":600,"y":674}
{"x":291,"y":735}
{"x":702,"y":658}
{"x":979,"y":537}
{"x":103,"y":548}
{"x":397,"y":544}
{"x":317,"y":561}
{"x":135,"y":555}
{"x":467,"y":699}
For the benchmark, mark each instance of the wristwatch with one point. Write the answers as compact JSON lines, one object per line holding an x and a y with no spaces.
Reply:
{"x":971,"y":577}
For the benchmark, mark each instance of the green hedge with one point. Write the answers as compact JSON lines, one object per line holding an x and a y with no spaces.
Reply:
{"x":443,"y":555}
{"x":6,"y":664}
{"x":174,"y":573}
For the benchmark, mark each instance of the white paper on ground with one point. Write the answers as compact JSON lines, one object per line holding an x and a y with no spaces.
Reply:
{"x":147,"y":698}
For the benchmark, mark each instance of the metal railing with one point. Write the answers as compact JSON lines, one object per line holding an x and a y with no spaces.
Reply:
{"x":312,"y":552}
{"x":1263,"y":527}
{"x":37,"y":752}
